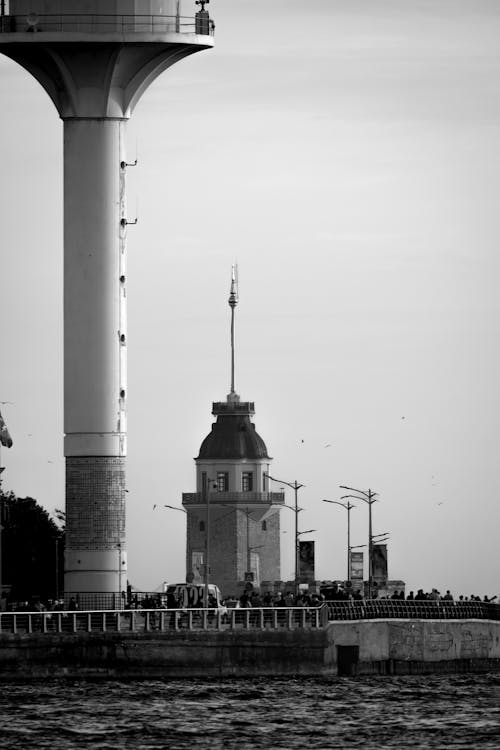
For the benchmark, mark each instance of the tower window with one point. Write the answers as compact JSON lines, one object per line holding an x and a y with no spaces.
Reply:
{"x":222,"y":481}
{"x":247,"y":481}
{"x":202,"y":525}
{"x":264,"y":525}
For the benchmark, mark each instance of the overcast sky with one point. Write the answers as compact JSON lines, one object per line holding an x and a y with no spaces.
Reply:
{"x":346,"y":154}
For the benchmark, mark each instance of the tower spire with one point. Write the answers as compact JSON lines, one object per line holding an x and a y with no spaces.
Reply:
{"x":233,"y":301}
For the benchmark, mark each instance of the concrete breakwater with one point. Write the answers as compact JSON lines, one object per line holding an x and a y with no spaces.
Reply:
{"x":339,"y":648}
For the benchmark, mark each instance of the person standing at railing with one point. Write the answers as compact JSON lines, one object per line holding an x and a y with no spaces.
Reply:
{"x":245,"y":601}
{"x":280,"y":602}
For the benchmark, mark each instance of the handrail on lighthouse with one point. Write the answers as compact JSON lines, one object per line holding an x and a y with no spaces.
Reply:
{"x":97,"y":23}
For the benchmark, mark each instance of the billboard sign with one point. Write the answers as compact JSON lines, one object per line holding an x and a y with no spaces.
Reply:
{"x":357,"y":566}
{"x":306,"y":562}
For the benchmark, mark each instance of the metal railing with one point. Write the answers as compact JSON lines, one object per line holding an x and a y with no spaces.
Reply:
{"x":162,"y":620}
{"x":105,"y":24}
{"x":370,"y":609}
{"x":237,"y":498}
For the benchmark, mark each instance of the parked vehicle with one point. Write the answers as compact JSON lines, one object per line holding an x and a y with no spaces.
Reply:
{"x":192,"y":596}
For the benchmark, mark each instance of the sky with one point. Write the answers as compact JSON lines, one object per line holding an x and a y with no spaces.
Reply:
{"x":345,"y":153}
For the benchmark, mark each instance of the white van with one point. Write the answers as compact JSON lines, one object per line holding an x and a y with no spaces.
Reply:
{"x":192,"y":596}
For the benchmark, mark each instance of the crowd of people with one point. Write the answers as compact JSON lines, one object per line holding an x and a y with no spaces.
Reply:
{"x":254,"y":599}
{"x":339,"y":593}
{"x":288,"y":599}
{"x":435,"y":596}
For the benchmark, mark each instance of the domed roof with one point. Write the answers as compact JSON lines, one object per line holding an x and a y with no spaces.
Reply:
{"x":233,"y":436}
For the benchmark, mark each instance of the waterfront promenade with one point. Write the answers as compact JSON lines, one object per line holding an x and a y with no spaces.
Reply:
{"x":336,"y":638}
{"x":261,"y":618}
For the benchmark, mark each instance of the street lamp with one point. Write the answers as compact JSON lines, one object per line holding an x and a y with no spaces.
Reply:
{"x":348,"y":506}
{"x":381,"y":537}
{"x":369,"y":498}
{"x":206,"y":492}
{"x":295,"y":487}
{"x":250,"y":549}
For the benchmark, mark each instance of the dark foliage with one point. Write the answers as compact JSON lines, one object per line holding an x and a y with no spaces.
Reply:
{"x":32,"y":550}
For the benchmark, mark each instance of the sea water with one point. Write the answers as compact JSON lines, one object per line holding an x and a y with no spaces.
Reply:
{"x":387,"y":712}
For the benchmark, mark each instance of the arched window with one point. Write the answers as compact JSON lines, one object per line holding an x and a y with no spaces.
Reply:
{"x":202,"y":525}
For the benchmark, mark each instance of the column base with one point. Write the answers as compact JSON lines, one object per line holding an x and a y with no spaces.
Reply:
{"x":95,"y":572}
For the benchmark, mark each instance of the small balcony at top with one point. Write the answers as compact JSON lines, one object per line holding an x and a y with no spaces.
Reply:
{"x":125,"y":17}
{"x":234,"y":499}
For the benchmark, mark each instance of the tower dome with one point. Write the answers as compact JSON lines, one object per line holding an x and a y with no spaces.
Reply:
{"x":233,"y":435}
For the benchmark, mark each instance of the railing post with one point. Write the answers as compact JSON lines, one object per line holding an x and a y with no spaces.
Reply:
{"x":304,"y":618}
{"x":247,"y":619}
{"x":261,"y":619}
{"x":233,"y":619}
{"x":44,"y":622}
{"x":103,"y":624}
{"x":14,"y":624}
{"x":176,"y":620}
{"x":275,"y":619}
{"x":118,"y":622}
{"x":89,"y":622}
{"x":162,"y":621}
{"x":190,"y":619}
{"x":204,"y":619}
{"x":146,"y":624}
{"x":30,"y":623}
{"x":289,"y":619}
{"x":59,"y":622}
{"x":74,"y":621}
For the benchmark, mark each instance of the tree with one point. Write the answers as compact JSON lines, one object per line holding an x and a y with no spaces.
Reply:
{"x":32,"y":550}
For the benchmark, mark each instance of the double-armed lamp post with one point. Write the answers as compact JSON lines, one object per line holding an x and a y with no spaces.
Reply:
{"x":369,"y":498}
{"x":295,"y":487}
{"x":206,"y":494}
{"x":348,"y":507}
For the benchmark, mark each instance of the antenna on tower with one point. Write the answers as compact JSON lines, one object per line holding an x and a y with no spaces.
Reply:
{"x":233,"y":301}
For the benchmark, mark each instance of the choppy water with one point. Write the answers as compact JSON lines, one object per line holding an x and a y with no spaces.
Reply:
{"x":400,"y":712}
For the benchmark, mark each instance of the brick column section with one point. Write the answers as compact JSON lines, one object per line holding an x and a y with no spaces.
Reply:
{"x":95,"y":530}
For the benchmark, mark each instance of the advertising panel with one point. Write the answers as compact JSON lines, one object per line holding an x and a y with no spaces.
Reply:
{"x":306,"y":562}
{"x":379,"y":558}
{"x":357,"y":566}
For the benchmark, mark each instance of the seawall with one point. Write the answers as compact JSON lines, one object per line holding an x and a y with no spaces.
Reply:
{"x":340,"y":648}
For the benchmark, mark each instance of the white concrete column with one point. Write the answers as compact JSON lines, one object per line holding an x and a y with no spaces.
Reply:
{"x":95,"y":345}
{"x":95,"y":336}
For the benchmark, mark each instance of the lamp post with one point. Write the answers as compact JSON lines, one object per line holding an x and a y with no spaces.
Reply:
{"x":207,"y":541}
{"x":205,"y":491}
{"x":295,"y":487}
{"x":250,"y":549}
{"x":369,"y":498}
{"x":57,"y":567}
{"x":348,"y":506}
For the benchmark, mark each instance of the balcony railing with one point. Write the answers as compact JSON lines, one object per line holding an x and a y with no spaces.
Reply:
{"x":106,"y":24}
{"x":234,"y":498}
{"x":374,"y":609}
{"x":233,"y":407}
{"x":163,"y":620}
